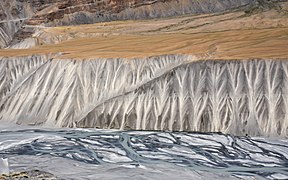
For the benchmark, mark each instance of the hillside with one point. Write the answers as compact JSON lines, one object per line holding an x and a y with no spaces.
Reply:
{"x":215,"y":67}
{"x":16,"y":14}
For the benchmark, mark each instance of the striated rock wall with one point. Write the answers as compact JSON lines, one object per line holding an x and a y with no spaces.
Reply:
{"x":171,"y":92}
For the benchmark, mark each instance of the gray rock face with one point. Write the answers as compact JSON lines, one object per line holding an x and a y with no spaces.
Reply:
{"x":158,"y":93}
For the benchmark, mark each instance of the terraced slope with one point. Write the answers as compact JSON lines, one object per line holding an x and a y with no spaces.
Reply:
{"x":214,"y":72}
{"x":15,"y":15}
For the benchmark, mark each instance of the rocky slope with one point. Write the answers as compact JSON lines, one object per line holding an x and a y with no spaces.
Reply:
{"x":15,"y":14}
{"x":91,"y":11}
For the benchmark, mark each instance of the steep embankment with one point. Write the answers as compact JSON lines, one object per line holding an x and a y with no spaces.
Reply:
{"x":160,"y":93}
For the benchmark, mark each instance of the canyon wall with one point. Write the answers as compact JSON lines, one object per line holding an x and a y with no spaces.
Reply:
{"x":174,"y":93}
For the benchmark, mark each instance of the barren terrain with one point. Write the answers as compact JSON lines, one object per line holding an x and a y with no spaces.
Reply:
{"x":239,"y":34}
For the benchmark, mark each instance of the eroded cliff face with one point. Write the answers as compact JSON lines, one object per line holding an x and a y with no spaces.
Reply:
{"x":19,"y":19}
{"x":90,"y":11}
{"x":158,"y":93}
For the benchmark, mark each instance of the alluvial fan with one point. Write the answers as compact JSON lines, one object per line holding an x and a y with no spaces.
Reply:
{"x":90,"y":153}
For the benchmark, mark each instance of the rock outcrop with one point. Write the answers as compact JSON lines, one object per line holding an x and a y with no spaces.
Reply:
{"x":90,"y":11}
{"x":15,"y":14}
